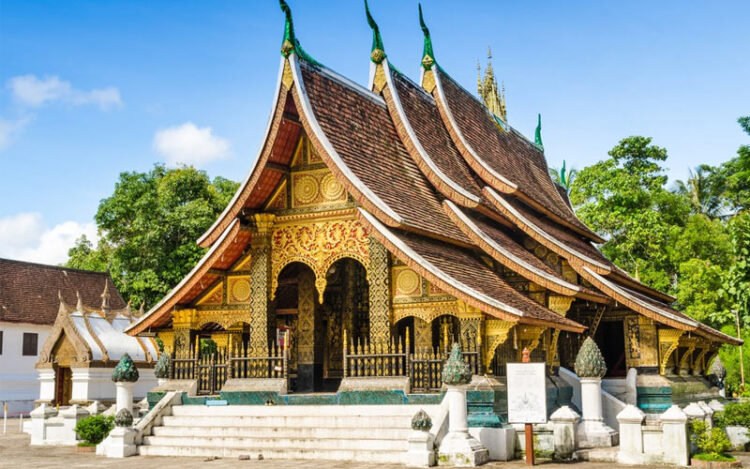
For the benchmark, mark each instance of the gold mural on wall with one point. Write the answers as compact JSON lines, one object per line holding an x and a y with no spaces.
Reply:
{"x":316,"y":188}
{"x":318,"y":245}
{"x":238,"y":289}
{"x":640,"y":341}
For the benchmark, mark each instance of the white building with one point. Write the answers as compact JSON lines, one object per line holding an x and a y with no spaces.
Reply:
{"x":29,"y":303}
{"x":84,"y":346}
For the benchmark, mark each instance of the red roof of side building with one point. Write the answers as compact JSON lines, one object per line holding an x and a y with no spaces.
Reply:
{"x":29,"y":292}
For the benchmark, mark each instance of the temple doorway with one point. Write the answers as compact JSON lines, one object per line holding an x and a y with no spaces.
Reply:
{"x":63,"y":386}
{"x":317,"y":330}
{"x":610,"y":337}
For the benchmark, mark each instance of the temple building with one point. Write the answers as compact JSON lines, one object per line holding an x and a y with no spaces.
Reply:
{"x":381,"y":224}
{"x":82,"y":349}
{"x":29,"y":305}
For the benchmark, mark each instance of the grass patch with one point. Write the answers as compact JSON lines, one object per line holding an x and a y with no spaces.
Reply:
{"x":86,"y":444}
{"x":714,"y":457}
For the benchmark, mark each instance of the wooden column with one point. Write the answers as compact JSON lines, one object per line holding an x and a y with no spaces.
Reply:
{"x":379,"y":279}
{"x":260,"y":276}
{"x":305,"y":334}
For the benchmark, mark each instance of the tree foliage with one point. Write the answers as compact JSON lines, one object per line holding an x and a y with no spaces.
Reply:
{"x":148,"y":228}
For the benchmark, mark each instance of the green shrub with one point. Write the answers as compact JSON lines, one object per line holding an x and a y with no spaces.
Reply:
{"x":711,"y":443}
{"x":95,"y":428}
{"x":736,"y":414}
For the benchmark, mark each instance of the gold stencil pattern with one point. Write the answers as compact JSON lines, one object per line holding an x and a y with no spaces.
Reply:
{"x":239,"y":289}
{"x":318,"y":245}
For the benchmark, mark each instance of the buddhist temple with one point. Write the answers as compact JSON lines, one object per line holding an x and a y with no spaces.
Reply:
{"x":380,"y":224}
{"x":86,"y":342}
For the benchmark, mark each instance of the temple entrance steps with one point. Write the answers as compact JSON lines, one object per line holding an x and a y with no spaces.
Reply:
{"x":368,"y":433}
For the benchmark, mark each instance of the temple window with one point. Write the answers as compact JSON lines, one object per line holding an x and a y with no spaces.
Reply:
{"x":30,"y":341}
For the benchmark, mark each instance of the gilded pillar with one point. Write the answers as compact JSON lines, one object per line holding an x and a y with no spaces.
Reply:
{"x":378,"y":277}
{"x":305,"y":331}
{"x":260,"y":279}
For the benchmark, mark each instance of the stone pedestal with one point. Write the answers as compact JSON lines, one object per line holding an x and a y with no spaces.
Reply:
{"x":38,"y":420}
{"x":421,"y":449}
{"x":592,"y":431}
{"x":675,"y":437}
{"x":458,"y":448}
{"x":564,"y":422}
{"x":631,"y":435}
{"x":70,"y":417}
{"x":124,"y":396}
{"x":119,"y":444}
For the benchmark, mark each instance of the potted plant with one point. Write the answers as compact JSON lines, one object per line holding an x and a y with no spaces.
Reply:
{"x":713,"y":446}
{"x":92,"y":431}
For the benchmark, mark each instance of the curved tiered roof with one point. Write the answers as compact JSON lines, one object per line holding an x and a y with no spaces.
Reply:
{"x":450,"y":189}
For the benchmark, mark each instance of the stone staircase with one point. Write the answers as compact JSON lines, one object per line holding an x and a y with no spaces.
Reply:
{"x":371,"y":433}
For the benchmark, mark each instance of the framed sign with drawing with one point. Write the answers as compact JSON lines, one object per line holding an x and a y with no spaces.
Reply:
{"x":527,"y":393}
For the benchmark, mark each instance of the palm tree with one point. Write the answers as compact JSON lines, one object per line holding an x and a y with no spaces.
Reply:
{"x":563,"y":177}
{"x":702,"y":191}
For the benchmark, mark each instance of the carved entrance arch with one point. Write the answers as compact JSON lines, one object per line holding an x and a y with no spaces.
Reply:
{"x":318,"y":245}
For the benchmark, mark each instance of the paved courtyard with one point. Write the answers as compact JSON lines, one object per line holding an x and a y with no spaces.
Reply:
{"x":15,"y":452}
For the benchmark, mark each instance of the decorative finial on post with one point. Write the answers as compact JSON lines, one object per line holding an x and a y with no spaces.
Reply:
{"x":421,"y":421}
{"x":125,"y":371}
{"x":377,"y":54}
{"x":589,"y":361}
{"x":141,"y":310}
{"x":161,"y":369}
{"x":428,"y":56}
{"x":456,"y":371}
{"x":538,"y":132}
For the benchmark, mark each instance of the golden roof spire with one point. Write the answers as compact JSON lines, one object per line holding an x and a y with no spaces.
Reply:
{"x":492,"y":96}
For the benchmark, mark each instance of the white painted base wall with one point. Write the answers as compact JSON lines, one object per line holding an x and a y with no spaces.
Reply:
{"x":19,"y":386}
{"x":93,"y":384}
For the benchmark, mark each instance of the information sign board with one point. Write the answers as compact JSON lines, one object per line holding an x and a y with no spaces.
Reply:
{"x":527,"y":393}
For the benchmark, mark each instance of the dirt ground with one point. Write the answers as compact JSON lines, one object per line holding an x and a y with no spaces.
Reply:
{"x":15,"y":452}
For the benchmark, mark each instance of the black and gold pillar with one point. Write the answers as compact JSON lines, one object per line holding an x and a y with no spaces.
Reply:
{"x":305,"y":334}
{"x":260,"y":279}
{"x":379,"y":278}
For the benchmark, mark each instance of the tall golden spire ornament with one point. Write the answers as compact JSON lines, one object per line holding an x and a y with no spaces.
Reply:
{"x":492,"y":96}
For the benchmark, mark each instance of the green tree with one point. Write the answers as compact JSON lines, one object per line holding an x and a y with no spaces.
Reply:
{"x":83,"y":255}
{"x":623,"y":198}
{"x":735,"y":173}
{"x":703,"y":189}
{"x":149,"y":226}
{"x":737,"y":283}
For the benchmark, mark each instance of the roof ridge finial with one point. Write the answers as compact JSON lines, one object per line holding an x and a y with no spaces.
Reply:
{"x":141,"y":309}
{"x":79,"y":302}
{"x":105,"y":296}
{"x":538,"y":132}
{"x":377,"y":55}
{"x":289,"y":43}
{"x":428,"y":56}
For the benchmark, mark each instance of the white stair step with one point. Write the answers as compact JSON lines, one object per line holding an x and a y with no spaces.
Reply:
{"x":400,"y":433}
{"x":301,"y":410}
{"x":287,"y":453}
{"x":337,"y":421}
{"x":278,"y":444}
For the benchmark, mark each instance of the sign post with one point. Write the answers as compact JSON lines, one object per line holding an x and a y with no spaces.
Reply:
{"x":527,"y":398}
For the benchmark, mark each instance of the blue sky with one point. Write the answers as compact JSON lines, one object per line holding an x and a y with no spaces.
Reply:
{"x":89,"y":89}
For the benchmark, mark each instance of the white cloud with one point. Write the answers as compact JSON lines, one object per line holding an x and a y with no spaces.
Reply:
{"x":190,"y":145}
{"x":33,"y":91}
{"x":26,"y":237}
{"x":9,"y":129}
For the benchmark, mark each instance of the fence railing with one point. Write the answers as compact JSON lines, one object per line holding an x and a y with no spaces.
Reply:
{"x":212,"y":369}
{"x":363,"y":358}
{"x":424,"y":367}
